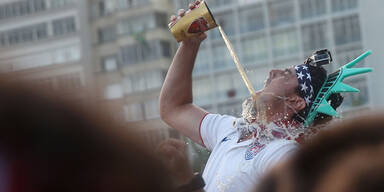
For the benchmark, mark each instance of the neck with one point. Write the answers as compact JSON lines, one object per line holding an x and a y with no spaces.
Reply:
{"x":274,"y":112}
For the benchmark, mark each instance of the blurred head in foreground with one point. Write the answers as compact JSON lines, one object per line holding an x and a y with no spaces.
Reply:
{"x":347,"y":157}
{"x":51,"y":144}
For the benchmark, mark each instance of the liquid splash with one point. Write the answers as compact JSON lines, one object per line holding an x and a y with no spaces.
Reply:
{"x":254,"y":122}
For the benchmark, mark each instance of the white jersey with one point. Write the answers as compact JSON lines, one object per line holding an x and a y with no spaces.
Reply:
{"x":236,"y":166}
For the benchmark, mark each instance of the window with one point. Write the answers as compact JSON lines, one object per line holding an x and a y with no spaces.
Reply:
{"x":25,"y":7}
{"x":145,"y":51}
{"x":224,"y":84}
{"x":230,"y":85}
{"x":8,"y":10}
{"x":239,"y":85}
{"x":29,"y":61}
{"x":134,"y":112}
{"x":114,"y":91}
{"x":21,"y":8}
{"x":39,"y":5}
{"x":311,"y":8}
{"x":122,"y":4}
{"x":226,"y":21}
{"x":154,"y":79}
{"x":66,"y":54}
{"x":107,"y":34}
{"x":16,"y":8}
{"x":233,"y":109}
{"x":143,"y":81}
{"x":64,"y":26}
{"x":165,"y":48}
{"x":151,"y":109}
{"x":341,"y":5}
{"x":254,"y":49}
{"x":46,"y":84}
{"x":222,"y":57}
{"x":284,"y":42}
{"x":257,"y":77}
{"x":142,"y":23}
{"x":139,"y":83}
{"x":132,"y":3}
{"x":314,"y":36}
{"x":161,"y":20}
{"x":106,"y":7}
{"x":202,"y":91}
{"x":23,"y":35}
{"x":202,"y":62}
{"x":219,"y":3}
{"x":69,"y":81}
{"x":60,"y":55}
{"x":41,"y":31}
{"x":2,"y":12}
{"x":347,"y":30}
{"x":281,"y":12}
{"x":3,"y":39}
{"x":27,"y":34}
{"x":109,"y":63}
{"x":60,"y":3}
{"x":356,"y":99}
{"x":14,"y":36}
{"x":251,"y":19}
{"x":349,"y":54}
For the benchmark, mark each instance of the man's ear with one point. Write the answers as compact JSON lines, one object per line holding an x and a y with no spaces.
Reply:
{"x":297,"y":102}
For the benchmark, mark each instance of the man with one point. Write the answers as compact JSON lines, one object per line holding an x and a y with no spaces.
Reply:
{"x":236,"y":161}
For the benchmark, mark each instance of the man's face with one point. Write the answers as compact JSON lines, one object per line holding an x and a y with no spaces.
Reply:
{"x":280,"y":83}
{"x":278,"y":99}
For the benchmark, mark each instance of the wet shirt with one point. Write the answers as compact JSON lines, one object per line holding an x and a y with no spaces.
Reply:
{"x":234,"y":166}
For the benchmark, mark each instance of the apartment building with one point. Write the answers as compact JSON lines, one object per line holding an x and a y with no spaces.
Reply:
{"x":44,"y":41}
{"x":270,"y":34}
{"x":132,"y":50}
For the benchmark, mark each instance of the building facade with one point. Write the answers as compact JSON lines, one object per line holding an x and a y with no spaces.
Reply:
{"x":271,"y":34}
{"x":132,"y":50}
{"x":113,"y":52}
{"x":44,"y":42}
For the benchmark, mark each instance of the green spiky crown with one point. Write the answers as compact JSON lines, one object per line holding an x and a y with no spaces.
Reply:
{"x":334,"y":84}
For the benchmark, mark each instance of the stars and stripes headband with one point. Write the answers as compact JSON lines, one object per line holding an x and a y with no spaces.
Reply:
{"x":305,"y":83}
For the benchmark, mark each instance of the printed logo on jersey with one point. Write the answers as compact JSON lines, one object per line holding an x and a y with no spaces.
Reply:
{"x":252,"y":150}
{"x":225,"y":139}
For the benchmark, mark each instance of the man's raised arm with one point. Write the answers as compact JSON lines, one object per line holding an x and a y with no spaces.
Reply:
{"x":176,"y":107}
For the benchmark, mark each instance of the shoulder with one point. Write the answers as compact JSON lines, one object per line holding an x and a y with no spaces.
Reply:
{"x":275,"y":152}
{"x":279,"y":149}
{"x":226,"y":120}
{"x":214,"y":128}
{"x":218,"y":122}
{"x":281,"y":144}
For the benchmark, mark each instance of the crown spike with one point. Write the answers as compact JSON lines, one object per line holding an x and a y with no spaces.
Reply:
{"x":325,"y":108}
{"x":337,"y":87}
{"x":349,"y":72}
{"x":358,"y":59}
{"x":341,"y":87}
